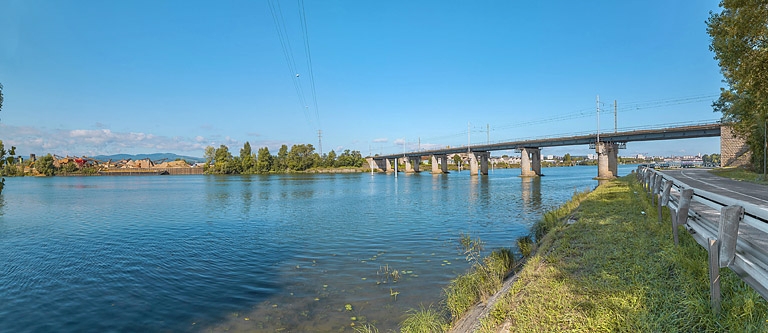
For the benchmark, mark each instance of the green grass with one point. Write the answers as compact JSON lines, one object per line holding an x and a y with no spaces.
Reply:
{"x":741,"y":174}
{"x":617,"y":270}
{"x":482,"y":281}
{"x":427,"y":319}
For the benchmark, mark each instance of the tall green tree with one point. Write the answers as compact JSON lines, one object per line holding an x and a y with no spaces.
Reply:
{"x":281,"y":163}
{"x":247,"y":159}
{"x":350,"y":159}
{"x":302,"y":157}
{"x":264,"y":161}
{"x":223,"y":162}
{"x":210,"y":155}
{"x":740,"y":42}
{"x":330,"y":159}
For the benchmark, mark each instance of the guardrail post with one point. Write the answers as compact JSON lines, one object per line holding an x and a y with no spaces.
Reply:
{"x":714,"y":273}
{"x":656,"y":188}
{"x":664,"y":199}
{"x":730,"y":216}
{"x":681,"y":216}
{"x":646,"y":175}
{"x":651,"y":180}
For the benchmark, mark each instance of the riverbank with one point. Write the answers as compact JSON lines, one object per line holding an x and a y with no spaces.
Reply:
{"x":617,"y":269}
{"x":741,"y":175}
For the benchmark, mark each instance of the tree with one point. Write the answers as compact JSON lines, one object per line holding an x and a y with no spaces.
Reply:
{"x":223,"y":162}
{"x":7,"y":167}
{"x":457,"y":160}
{"x":264,"y":161}
{"x":2,"y":150}
{"x":330,"y":159}
{"x":247,"y":159}
{"x":350,"y":159}
{"x":302,"y":157}
{"x":210,"y":155}
{"x":740,"y":43}
{"x":567,"y":158}
{"x":70,"y":167}
{"x":281,"y":163}
{"x":44,"y":165}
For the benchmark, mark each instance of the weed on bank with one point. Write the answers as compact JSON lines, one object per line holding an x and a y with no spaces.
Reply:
{"x":617,"y":269}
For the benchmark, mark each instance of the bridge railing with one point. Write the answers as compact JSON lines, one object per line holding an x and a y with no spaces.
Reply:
{"x":735,"y":233}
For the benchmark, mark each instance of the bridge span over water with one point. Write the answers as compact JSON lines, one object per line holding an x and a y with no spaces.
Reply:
{"x":606,"y":146}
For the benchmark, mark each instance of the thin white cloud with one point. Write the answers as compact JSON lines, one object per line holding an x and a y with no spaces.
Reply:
{"x":381,"y":140}
{"x":399,"y":142}
{"x":41,"y":141}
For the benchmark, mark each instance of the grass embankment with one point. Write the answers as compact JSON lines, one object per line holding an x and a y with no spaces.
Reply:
{"x":484,"y":279}
{"x":741,"y":174}
{"x":617,"y":269}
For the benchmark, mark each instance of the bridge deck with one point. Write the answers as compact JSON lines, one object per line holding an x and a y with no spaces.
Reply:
{"x":668,"y":133}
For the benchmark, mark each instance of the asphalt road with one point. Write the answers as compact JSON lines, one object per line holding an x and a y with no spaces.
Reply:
{"x":701,"y":178}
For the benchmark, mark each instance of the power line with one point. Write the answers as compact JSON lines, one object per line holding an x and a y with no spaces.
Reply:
{"x":285,"y":44}
{"x":308,"y":51}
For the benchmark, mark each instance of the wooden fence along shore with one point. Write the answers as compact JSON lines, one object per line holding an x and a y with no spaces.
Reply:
{"x":735,"y":233}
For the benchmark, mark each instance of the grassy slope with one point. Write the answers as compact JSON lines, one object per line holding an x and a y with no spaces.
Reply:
{"x":618,"y":270}
{"x":741,"y":174}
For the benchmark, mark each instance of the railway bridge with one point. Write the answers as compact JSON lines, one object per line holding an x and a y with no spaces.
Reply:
{"x":606,"y":146}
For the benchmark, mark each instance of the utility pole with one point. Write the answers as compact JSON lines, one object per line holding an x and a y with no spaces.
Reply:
{"x":615,"y":117}
{"x":320,"y":141}
{"x":468,"y":138}
{"x":488,"y":131}
{"x":597,"y":102}
{"x":419,"y":144}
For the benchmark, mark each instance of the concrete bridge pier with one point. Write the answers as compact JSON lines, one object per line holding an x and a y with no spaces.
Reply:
{"x":442,"y":167}
{"x":377,"y":164}
{"x":607,"y":160}
{"x":530,"y":162}
{"x":412,"y":163}
{"x":388,"y":165}
{"x":478,"y":167}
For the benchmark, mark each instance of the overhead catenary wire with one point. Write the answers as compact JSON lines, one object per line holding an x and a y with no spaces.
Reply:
{"x":623,"y":108}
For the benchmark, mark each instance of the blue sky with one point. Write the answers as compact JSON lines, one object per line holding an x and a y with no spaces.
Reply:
{"x":102,"y":77}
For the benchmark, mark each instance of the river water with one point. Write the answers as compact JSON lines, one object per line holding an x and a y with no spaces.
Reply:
{"x":251,"y":253}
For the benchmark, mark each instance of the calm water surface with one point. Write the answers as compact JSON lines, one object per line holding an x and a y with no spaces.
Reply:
{"x":258,"y":253}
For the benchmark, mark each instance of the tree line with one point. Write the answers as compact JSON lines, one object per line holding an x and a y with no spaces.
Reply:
{"x":299,"y":158}
{"x":740,"y":43}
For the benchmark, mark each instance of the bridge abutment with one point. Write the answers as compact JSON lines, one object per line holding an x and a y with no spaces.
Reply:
{"x":607,"y":160}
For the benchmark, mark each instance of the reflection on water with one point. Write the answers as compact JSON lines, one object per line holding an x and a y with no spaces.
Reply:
{"x":257,"y":253}
{"x":531,"y":192}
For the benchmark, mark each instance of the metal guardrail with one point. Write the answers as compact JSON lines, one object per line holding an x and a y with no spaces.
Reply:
{"x":730,"y":230}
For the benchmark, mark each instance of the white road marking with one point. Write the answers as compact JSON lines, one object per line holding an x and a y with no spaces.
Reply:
{"x":722,"y":188}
